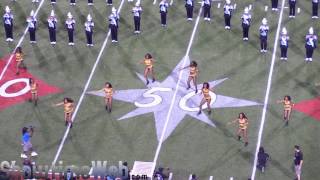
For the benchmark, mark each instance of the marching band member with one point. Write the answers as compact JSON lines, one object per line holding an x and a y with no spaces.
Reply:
{"x":109,"y":2}
{"x":113,"y":25}
{"x":116,"y":14}
{"x":206,"y":97}
{"x":287,"y":106}
{"x":310,"y":45}
{"x":189,"y":9}
{"x":52,"y":26}
{"x":284,"y":38}
{"x":53,"y":2}
{"x":315,"y":5}
{"x":19,"y":60}
{"x":72,"y":2}
{"x":32,"y":22}
{"x":227,"y":14}
{"x":206,"y":9}
{"x":108,"y":96}
{"x":8,"y":24}
{"x":243,"y":122}
{"x":192,"y":74}
{"x":90,"y":2}
{"x":264,"y":29}
{"x":137,"y":17}
{"x":33,"y":91}
{"x":246,"y":21}
{"x":163,"y":12}
{"x":68,"y":105}
{"x":292,"y":8}
{"x":274,"y":5}
{"x":70,"y":25}
{"x":148,"y":62}
{"x":89,"y":30}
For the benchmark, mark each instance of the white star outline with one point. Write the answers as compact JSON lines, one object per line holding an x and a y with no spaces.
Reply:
{"x":165,"y":91}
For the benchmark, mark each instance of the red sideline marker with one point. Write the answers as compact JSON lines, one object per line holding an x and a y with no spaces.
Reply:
{"x":309,"y":107}
{"x":14,"y":89}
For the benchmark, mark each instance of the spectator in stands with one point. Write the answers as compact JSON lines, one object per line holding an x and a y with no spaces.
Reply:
{"x":69,"y":175}
{"x":7,"y":173}
{"x":3,"y":174}
{"x":125,"y":171}
{"x":262,"y":159}
{"x":109,"y":177}
{"x":165,"y":172}
{"x":158,"y":176}
{"x":27,"y":168}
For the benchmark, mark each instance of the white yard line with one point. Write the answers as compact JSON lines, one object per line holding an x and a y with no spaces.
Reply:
{"x":265,"y":105}
{"x":83,"y":93}
{"x":156,"y":156}
{"x":19,"y":43}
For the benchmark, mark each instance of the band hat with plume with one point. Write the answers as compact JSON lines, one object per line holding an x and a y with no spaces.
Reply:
{"x":264,"y":21}
{"x":89,"y":18}
{"x":7,"y":9}
{"x":69,"y":15}
{"x":32,"y":13}
{"x":246,"y":10}
{"x":311,"y":30}
{"x":284,"y":31}
{"x":52,"y":13}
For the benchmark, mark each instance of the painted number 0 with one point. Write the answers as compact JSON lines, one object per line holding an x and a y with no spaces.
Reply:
{"x":183,"y":102}
{"x":7,"y":84}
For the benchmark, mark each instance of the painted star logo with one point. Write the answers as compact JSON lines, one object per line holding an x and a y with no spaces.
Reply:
{"x":158,"y":97}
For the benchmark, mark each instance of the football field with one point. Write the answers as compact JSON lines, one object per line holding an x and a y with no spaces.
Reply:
{"x":159,"y":122}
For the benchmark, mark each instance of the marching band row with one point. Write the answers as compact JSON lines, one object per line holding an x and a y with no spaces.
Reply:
{"x":70,"y":24}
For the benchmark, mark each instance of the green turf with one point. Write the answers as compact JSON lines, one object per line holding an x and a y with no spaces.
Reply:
{"x":193,"y":147}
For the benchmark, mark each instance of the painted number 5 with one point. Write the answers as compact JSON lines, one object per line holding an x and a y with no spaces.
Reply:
{"x":156,"y":98}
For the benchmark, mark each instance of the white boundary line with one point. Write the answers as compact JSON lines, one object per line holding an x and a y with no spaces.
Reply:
{"x":83,"y":93}
{"x":175,"y":92}
{"x":263,"y":116}
{"x":19,"y":43}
